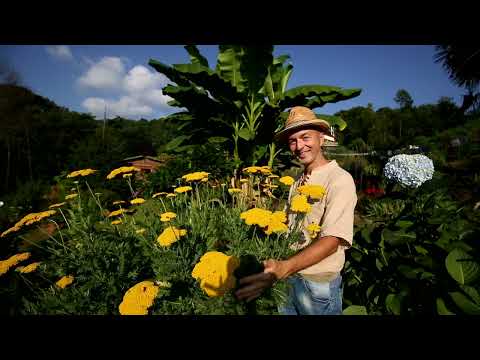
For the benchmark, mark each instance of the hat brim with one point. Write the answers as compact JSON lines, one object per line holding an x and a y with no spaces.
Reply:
{"x":322,"y":125}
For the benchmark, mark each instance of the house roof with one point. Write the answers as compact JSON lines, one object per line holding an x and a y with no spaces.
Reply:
{"x":142,"y":157}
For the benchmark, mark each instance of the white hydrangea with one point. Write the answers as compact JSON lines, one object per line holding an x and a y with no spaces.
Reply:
{"x":409,"y":170}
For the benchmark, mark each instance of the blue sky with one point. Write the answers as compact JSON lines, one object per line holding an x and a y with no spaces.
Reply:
{"x":85,"y":78}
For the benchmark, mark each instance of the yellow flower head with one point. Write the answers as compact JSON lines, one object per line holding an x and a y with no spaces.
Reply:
{"x":167,"y":216}
{"x":287,"y":180}
{"x":137,"y":201}
{"x":170,"y":235}
{"x":233,"y":191}
{"x":158,"y":194}
{"x":116,"y":222}
{"x":138,"y":299}
{"x":127,"y":175}
{"x":300,"y":204}
{"x":204,"y":180}
{"x":140,"y":231}
{"x":5,"y":265}
{"x":280,"y":216}
{"x":183,"y":189}
{"x":71,"y":196}
{"x":264,"y":170}
{"x":196,"y":176}
{"x":56,"y":205}
{"x":118,"y":202}
{"x":28,"y":220}
{"x":275,"y":226}
{"x":116,"y":212}
{"x":256,"y":216}
{"x":84,"y":172}
{"x":8,"y":231}
{"x":122,"y":170}
{"x":313,"y":229}
{"x":29,"y":268}
{"x":313,"y":191}
{"x":171,"y":195}
{"x":65,"y":281}
{"x":244,"y":181}
{"x":215,"y":272}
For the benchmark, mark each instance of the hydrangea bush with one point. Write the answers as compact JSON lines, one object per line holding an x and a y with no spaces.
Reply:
{"x":409,"y":170}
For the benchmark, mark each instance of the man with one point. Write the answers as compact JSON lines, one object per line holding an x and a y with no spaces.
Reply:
{"x":314,"y":271}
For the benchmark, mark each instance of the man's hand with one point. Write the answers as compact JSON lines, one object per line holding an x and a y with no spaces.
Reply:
{"x":254,"y":285}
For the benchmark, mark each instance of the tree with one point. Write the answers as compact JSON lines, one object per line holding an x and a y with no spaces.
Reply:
{"x":403,"y":99}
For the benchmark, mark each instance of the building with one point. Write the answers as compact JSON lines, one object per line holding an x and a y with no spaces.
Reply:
{"x":147,"y":164}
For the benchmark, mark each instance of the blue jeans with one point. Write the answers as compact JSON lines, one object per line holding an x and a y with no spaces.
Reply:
{"x":307,"y":297}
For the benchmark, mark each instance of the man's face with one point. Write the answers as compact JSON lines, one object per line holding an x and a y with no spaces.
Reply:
{"x":306,"y":145}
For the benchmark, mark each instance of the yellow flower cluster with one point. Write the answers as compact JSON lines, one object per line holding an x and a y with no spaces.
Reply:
{"x":116,"y":212}
{"x":84,"y":172}
{"x":313,"y":191}
{"x":29,"y":268}
{"x":138,"y":299}
{"x":171,"y":195}
{"x":271,"y":222}
{"x":314,"y":229}
{"x":167,"y":216}
{"x":140,"y":231}
{"x":183,"y":189}
{"x":56,"y":205}
{"x":118,"y":202}
{"x":116,"y":222}
{"x":300,"y":204}
{"x":28,"y":220}
{"x":122,"y":170}
{"x":170,"y":235}
{"x":215,"y":272}
{"x":5,"y":265}
{"x":264,"y":170}
{"x":196,"y":176}
{"x":65,"y":281}
{"x":158,"y":194}
{"x":71,"y":196}
{"x":137,"y":201}
{"x":287,"y":180}
{"x":233,"y":191}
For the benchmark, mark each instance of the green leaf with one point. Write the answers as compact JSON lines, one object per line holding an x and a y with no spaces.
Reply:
{"x":176,"y":142}
{"x":314,"y":96}
{"x":461,"y":266}
{"x":217,"y":139}
{"x":195,"y":56}
{"x":229,"y":61}
{"x":333,"y":120}
{"x":169,"y":72}
{"x":442,"y":309}
{"x":254,"y":66}
{"x":355,"y":310}
{"x":465,"y":304}
{"x":472,"y":293}
{"x":393,"y":303}
{"x":245,"y":134}
{"x":396,"y":238}
{"x":403,"y":224}
{"x":421,"y":250}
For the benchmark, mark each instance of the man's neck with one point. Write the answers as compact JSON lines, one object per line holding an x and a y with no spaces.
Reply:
{"x":314,"y":165}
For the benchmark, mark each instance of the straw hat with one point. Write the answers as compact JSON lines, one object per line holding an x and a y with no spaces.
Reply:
{"x":301,"y":117}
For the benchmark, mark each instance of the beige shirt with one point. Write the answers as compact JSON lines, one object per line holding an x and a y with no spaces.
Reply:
{"x":334,"y":213}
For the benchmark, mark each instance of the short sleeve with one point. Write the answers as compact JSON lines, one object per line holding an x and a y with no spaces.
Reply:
{"x":341,"y":200}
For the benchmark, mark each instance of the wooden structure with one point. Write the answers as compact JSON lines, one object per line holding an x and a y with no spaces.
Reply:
{"x":147,"y":164}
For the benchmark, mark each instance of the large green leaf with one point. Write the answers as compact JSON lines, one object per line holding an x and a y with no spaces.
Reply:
{"x":461,"y":266}
{"x":465,"y":304}
{"x":195,"y":56}
{"x":229,"y":61}
{"x":472,"y":293}
{"x":355,"y":310}
{"x":169,"y":72}
{"x":398,"y":237}
{"x":314,"y":96}
{"x":393,"y":302}
{"x":333,"y":120}
{"x":254,"y":66}
{"x":442,"y":308}
{"x":277,"y":79}
{"x":176,"y":142}
{"x":194,"y":100}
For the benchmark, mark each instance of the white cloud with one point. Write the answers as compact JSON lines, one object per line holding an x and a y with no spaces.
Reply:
{"x":61,"y":52}
{"x":105,"y":74}
{"x":140,"y":93}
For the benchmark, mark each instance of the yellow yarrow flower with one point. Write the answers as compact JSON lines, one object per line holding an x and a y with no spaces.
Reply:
{"x":196,"y":176}
{"x":256,"y":216}
{"x":138,"y":299}
{"x":8,"y":231}
{"x":29,"y":268}
{"x":170,"y":235}
{"x":84,"y":172}
{"x":243,"y":181}
{"x":233,"y":190}
{"x":140,"y":231}
{"x":137,"y":201}
{"x":65,"y":281}
{"x":275,"y":227}
{"x":287,"y":180}
{"x":5,"y":265}
{"x":265,"y":170}
{"x":313,"y":230}
{"x":300,"y":204}
{"x":116,"y":212}
{"x":71,"y":196}
{"x":56,"y":205}
{"x":280,"y":216}
{"x":171,"y":195}
{"x":118,"y":202}
{"x":116,"y":222}
{"x":122,"y":170}
{"x":314,"y":191}
{"x":183,"y":189}
{"x":167,"y":216}
{"x":28,"y":220}
{"x":158,"y":194}
{"x":215,"y":272}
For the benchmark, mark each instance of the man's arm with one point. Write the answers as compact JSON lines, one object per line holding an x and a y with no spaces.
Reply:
{"x":254,"y":285}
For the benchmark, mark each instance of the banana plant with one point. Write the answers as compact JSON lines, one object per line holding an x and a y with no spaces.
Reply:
{"x":244,"y":96}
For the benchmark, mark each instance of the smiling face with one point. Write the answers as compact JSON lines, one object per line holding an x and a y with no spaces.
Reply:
{"x":306,"y":145}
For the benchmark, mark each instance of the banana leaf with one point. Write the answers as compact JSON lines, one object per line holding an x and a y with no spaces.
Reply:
{"x":169,"y":72}
{"x":195,"y":56}
{"x":314,"y":96}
